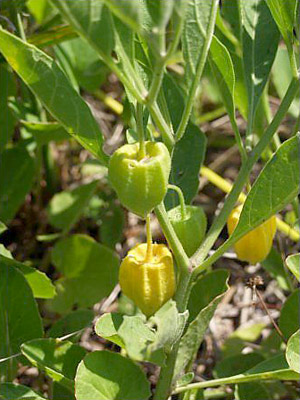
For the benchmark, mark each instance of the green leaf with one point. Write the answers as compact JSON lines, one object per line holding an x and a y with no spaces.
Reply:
{"x":40,"y":9}
{"x":120,"y":329}
{"x":284,"y":14}
{"x":12,"y":391}
{"x":59,"y":359}
{"x":19,"y":317}
{"x":205,"y":290}
{"x":293,"y":352}
{"x":130,"y":13}
{"x":293,"y":263}
{"x":40,"y":284}
{"x":7,"y":120}
{"x":112,"y":224}
{"x":16,"y":177}
{"x":123,"y":380}
{"x":66,"y":207}
{"x":274,"y":265}
{"x":107,"y":327}
{"x":89,"y":70}
{"x":70,"y":323}
{"x":92,"y":20}
{"x":282,"y":75}
{"x":3,"y":227}
{"x":188,"y":156}
{"x":4,"y":252}
{"x":50,"y":85}
{"x":59,"y":392}
{"x":252,"y":391}
{"x":194,"y":35}
{"x":259,"y":48}
{"x":237,"y":364}
{"x":276,"y":186}
{"x":191,"y":340}
{"x":160,"y":12}
{"x":222,"y":68}
{"x":90,"y":272}
{"x":170,"y":325}
{"x":45,"y":132}
{"x":289,"y":316}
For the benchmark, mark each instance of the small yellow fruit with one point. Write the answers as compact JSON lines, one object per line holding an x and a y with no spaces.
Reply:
{"x":150,"y":283}
{"x":255,"y":245}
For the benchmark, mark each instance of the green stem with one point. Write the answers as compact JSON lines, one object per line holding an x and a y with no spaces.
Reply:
{"x":163,"y":387}
{"x":200,"y":67}
{"x":20,"y":27}
{"x":181,"y":200}
{"x":241,"y":180}
{"x":163,"y":127}
{"x":160,"y":65}
{"x":149,"y":253}
{"x":156,"y":81}
{"x":181,"y":258}
{"x":241,"y":378}
{"x":140,"y":131}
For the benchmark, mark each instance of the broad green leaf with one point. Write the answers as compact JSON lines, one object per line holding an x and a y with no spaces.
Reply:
{"x":72,"y":322}
{"x":109,"y":376}
{"x":16,"y":176}
{"x":129,"y":12}
{"x":60,"y":392}
{"x":275,"y":187}
{"x":230,"y":11}
{"x":282,"y":75}
{"x":222,"y":68}
{"x":7,"y":120}
{"x":205,"y":290}
{"x":112,"y":224}
{"x":65,"y":208}
{"x":120,"y":330}
{"x":92,"y":20}
{"x":194,"y":35}
{"x":284,"y":14}
{"x":107,"y":327}
{"x":191,"y":340}
{"x":45,"y":132}
{"x":89,"y":70}
{"x":59,"y":359}
{"x":237,"y":364}
{"x":188,"y":156}
{"x":274,"y":265}
{"x":293,"y":352}
{"x":40,"y":9}
{"x":293,"y":263}
{"x":259,"y":48}
{"x":19,"y":317}
{"x":12,"y":391}
{"x":160,"y":12}
{"x":289,"y":316}
{"x":90,"y":272}
{"x":50,"y":85}
{"x":252,"y":391}
{"x":170,"y":325}
{"x":40,"y":284}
